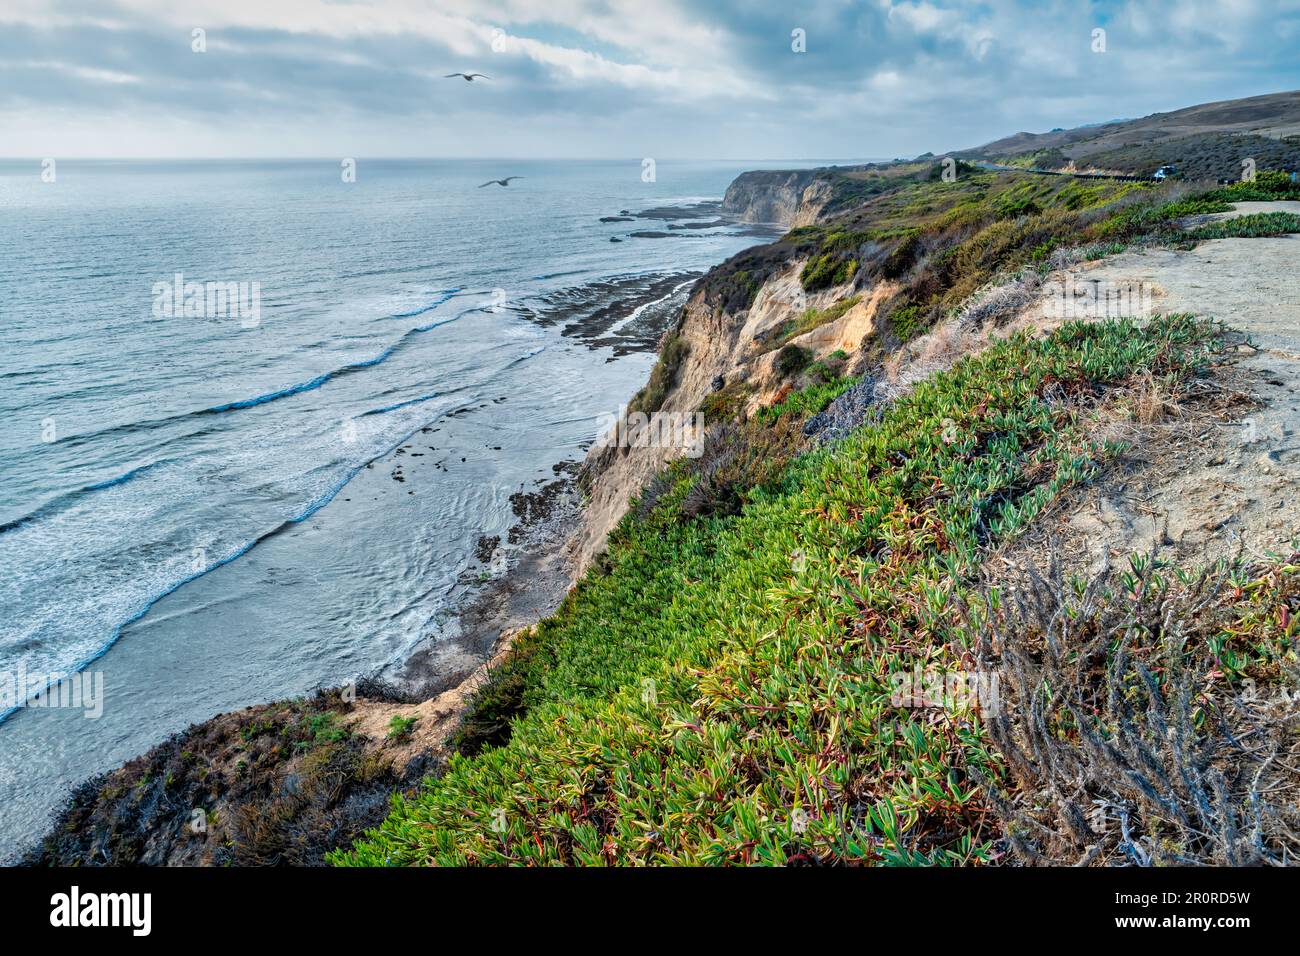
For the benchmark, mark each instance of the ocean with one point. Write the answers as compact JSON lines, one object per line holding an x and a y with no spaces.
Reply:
{"x":257,"y":417}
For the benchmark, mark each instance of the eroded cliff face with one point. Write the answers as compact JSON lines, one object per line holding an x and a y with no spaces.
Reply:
{"x":789,"y":197}
{"x":733,"y":349}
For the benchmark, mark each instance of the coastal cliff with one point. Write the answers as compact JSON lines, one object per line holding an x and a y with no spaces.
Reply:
{"x":723,"y":360}
{"x":787,"y":197}
{"x":893,"y":416}
{"x":900,"y":424}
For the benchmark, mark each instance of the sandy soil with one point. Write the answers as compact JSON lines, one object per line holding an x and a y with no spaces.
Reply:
{"x":1249,"y":208}
{"x":1219,"y":479}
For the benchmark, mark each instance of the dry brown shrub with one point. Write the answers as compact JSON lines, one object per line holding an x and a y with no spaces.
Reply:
{"x":1115,"y":750}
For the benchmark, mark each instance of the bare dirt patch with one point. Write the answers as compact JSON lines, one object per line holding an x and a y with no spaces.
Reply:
{"x":1169,"y":734}
{"x":1219,"y":476}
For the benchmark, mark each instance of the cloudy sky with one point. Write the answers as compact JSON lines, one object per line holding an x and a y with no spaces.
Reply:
{"x":611,"y":78}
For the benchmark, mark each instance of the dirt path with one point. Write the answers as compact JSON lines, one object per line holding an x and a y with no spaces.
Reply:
{"x":1219,"y":480}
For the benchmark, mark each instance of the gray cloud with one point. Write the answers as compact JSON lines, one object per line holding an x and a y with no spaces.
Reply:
{"x":611,"y":77}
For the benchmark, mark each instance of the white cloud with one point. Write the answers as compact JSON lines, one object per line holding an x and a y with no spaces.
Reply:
{"x":921,"y":17}
{"x":704,"y":77}
{"x":80,"y":72}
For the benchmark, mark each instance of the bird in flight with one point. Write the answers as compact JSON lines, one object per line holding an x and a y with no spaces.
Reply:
{"x":499,"y":182}
{"x":469,"y":77}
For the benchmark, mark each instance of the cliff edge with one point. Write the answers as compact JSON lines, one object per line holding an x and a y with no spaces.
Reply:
{"x":915,"y":401}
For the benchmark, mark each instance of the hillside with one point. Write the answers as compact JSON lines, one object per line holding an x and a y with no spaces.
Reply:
{"x":721,"y":687}
{"x":1209,"y":141}
{"x":1206,"y":142}
{"x":1275,"y":115}
{"x":850,"y":628}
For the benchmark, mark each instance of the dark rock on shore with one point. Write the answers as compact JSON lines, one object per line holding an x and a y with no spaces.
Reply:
{"x":675,"y":213}
{"x":485,"y":547}
{"x":710,"y":224}
{"x":533,"y":508}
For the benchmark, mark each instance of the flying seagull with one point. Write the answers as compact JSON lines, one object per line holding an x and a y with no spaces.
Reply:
{"x":469,"y":77}
{"x":499,"y":182}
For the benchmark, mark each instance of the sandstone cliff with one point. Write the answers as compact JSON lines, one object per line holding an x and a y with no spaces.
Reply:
{"x":788,"y":197}
{"x":716,"y":346}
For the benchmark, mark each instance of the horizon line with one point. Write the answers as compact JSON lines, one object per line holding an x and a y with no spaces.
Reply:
{"x":511,"y":159}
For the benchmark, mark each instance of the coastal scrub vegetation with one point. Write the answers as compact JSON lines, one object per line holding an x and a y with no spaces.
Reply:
{"x":1266,"y":186}
{"x":792,"y":360}
{"x":808,"y":400}
{"x":1254,"y":225}
{"x":717,"y":688}
{"x":274,"y":784}
{"x":401,"y":726}
{"x":943,"y":241}
{"x":1001,"y":223}
{"x":939,"y":240}
{"x":810,"y":319}
{"x":726,"y":403}
{"x":1155,"y":715}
